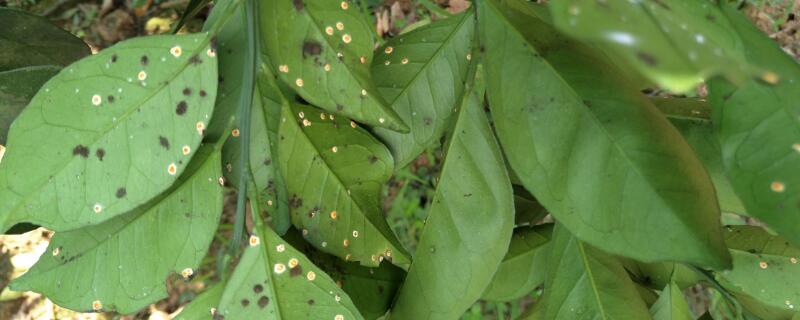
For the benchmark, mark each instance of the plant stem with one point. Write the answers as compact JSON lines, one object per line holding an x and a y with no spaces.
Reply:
{"x":245,"y":107}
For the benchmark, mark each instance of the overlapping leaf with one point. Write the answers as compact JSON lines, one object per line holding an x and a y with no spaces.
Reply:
{"x":524,"y":266}
{"x":201,"y":306}
{"x":468,"y":228}
{"x":759,"y":132}
{"x":586,"y":283}
{"x":108,"y":133}
{"x":273,"y":280}
{"x":671,"y":305}
{"x":421,"y":74}
{"x":591,"y":149}
{"x":677,"y":44}
{"x":323,"y":50}
{"x":692,"y":118}
{"x":765,"y":270}
{"x":17,"y":87}
{"x":122,"y":264}
{"x":334,"y":171}
{"x":28,"y":40}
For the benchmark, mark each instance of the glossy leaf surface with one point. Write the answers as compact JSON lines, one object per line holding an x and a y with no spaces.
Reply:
{"x":323,"y":50}
{"x":123,"y":263}
{"x":524,"y":266}
{"x":334,"y":171}
{"x":468,"y":228}
{"x":586,"y":283}
{"x":129,"y":118}
{"x":28,"y":40}
{"x":759,"y":132}
{"x":421,"y":74}
{"x":591,"y":149}
{"x":677,"y":44}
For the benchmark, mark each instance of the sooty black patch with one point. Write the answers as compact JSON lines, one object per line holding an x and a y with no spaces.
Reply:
{"x":298,"y":4}
{"x":144,"y":60}
{"x":81,"y":150}
{"x":258,"y":288}
{"x":181,"y":108}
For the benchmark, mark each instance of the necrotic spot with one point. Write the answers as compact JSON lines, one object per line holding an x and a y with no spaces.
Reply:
{"x":298,"y":4}
{"x":121,"y":192}
{"x":164,"y":142}
{"x":311,"y":48}
{"x":263,"y":302}
{"x":80,"y":150}
{"x":144,"y":60}
{"x":181,"y":108}
{"x":258,"y":288}
{"x":110,"y":99}
{"x":245,"y":302}
{"x":187,"y":91}
{"x":100,"y":153}
{"x":113,"y":58}
{"x":195,"y":60}
{"x":202,"y":93}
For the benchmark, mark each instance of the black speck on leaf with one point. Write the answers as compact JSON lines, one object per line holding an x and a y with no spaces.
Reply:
{"x":298,"y":4}
{"x":164,"y":142}
{"x":100,"y":153}
{"x":195,"y":60}
{"x":245,"y":302}
{"x":121,"y":192}
{"x":187,"y":91}
{"x":181,"y":108}
{"x":647,"y":58}
{"x":144,"y":60}
{"x":263,"y":302}
{"x":81,"y":150}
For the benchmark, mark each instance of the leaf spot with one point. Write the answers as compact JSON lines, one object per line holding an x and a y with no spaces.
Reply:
{"x":329,"y":30}
{"x":346,"y":38}
{"x":187,"y":273}
{"x":186,"y":150}
{"x":245,"y":302}
{"x":263,"y":302}
{"x":777,"y":186}
{"x":172,"y":169}
{"x":81,"y":150}
{"x":96,"y":99}
{"x":280,"y":248}
{"x":144,"y":60}
{"x":258,"y":288}
{"x":340,"y":26}
{"x":121,"y":193}
{"x":97,"y":208}
{"x":279,"y":268}
{"x":100,"y":153}
{"x":283,"y":68}
{"x":176,"y":51}
{"x":164,"y":142}
{"x":254,"y":240}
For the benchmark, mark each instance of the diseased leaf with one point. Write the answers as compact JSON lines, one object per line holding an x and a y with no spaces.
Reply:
{"x":758,"y":128}
{"x":323,"y":50}
{"x":586,"y":283}
{"x":275,"y":281}
{"x":28,"y":40}
{"x":200,"y":307}
{"x":122,"y":264}
{"x":677,"y":44}
{"x":129,"y":118}
{"x":468,"y":228}
{"x":372,"y":290}
{"x":591,"y":149}
{"x":17,"y":87}
{"x":334,"y":171}
{"x":421,"y":74}
{"x":671,"y":305}
{"x":691,"y":118}
{"x":524,"y":266}
{"x":765,"y":270}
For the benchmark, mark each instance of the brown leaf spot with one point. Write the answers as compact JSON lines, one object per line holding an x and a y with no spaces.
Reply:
{"x":144,"y":60}
{"x":311,"y":48}
{"x":100,"y":153}
{"x":121,"y":192}
{"x":202,"y":93}
{"x":245,"y":302}
{"x":263,"y":302}
{"x":164,"y":142}
{"x":81,"y":150}
{"x":195,"y":60}
{"x":258,"y":288}
{"x":181,"y":108}
{"x":110,"y":99}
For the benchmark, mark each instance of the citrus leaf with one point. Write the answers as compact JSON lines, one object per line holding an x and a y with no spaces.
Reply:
{"x":334,"y":171}
{"x":200,"y":307}
{"x":192,"y":9}
{"x":671,"y":305}
{"x":468,"y":228}
{"x":29,"y":40}
{"x":422,"y":74}
{"x":565,"y":101}
{"x":524,"y":266}
{"x":765,"y":269}
{"x":323,"y":50}
{"x":658,"y":275}
{"x":759,"y":131}
{"x":273,"y":280}
{"x":585,"y":283}
{"x":677,"y":44}
{"x":372,"y":290}
{"x":692,"y":118}
{"x":17,"y":87}
{"x":122,"y":264}
{"x":527,"y":210}
{"x":108,"y":133}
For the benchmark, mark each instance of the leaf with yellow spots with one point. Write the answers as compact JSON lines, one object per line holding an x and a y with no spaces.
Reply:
{"x":591,"y":148}
{"x":28,"y":40}
{"x":422,"y":74}
{"x":334,"y":171}
{"x":122,"y":119}
{"x":676,"y":44}
{"x":17,"y":87}
{"x":758,"y":128}
{"x":671,"y":304}
{"x":524,"y":267}
{"x":124,"y":262}
{"x":692,"y":118}
{"x":765,"y":273}
{"x":469,"y":224}
{"x":323,"y":50}
{"x":586,"y":283}
{"x":273,"y":280}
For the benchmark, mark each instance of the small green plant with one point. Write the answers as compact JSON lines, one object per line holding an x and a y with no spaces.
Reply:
{"x":558,"y":172}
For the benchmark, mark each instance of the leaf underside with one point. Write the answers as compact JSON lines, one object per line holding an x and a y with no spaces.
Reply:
{"x":524,"y":266}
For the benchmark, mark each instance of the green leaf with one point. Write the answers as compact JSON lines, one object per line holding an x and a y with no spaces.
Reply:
{"x":334,"y":171}
{"x":758,"y":128}
{"x":422,"y":74}
{"x":659,"y":274}
{"x":592,"y":149}
{"x":121,"y":264}
{"x":586,"y":283}
{"x":468,"y":228}
{"x":29,"y":40}
{"x":305,"y":38}
{"x":671,"y":305}
{"x":108,"y":133}
{"x":691,"y":118}
{"x":528,"y":211}
{"x":677,"y":44}
{"x":524,"y":266}
{"x":200,"y":307}
{"x":192,"y":9}
{"x":17,"y":87}
{"x":765,"y":269}
{"x":372,"y":290}
{"x":273,"y":280}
